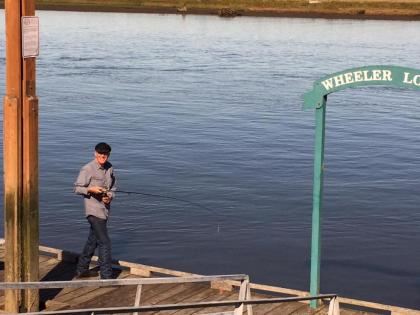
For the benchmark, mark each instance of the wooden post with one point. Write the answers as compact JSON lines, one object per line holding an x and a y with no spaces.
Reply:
{"x":317,"y":200}
{"x":248,"y":297}
{"x":20,"y":163}
{"x":239,"y":310}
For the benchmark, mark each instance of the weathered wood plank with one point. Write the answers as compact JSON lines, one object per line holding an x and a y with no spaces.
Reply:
{"x":204,"y":296}
{"x":70,"y":294}
{"x":63,"y":270}
{"x":179,"y":293}
{"x":291,"y":308}
{"x":193,"y":295}
{"x":262,"y":309}
{"x":354,"y":312}
{"x":53,"y":305}
{"x":88,"y":298}
{"x":78,"y":296}
{"x":160,"y":297}
{"x":157,"y":298}
{"x":51,"y":271}
{"x":126,"y":295}
{"x":223,"y":295}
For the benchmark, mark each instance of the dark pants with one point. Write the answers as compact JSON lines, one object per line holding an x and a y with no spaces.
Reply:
{"x":98,"y":237}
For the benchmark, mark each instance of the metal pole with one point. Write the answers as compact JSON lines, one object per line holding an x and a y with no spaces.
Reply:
{"x":20,"y":163}
{"x":317,"y":200}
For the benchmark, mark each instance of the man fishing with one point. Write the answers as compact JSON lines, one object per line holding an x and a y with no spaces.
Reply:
{"x":97,"y":184}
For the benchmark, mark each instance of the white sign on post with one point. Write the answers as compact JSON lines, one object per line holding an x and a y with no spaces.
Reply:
{"x":30,"y":36}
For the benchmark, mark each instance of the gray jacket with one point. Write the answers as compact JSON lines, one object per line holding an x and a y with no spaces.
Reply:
{"x":93,"y":174}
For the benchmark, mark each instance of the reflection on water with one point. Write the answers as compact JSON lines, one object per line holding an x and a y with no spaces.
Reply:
{"x":209,"y":110}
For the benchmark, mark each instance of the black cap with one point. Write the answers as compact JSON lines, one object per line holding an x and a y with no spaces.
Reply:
{"x":103,"y":148}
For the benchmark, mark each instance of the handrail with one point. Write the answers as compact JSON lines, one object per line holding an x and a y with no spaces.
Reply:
{"x":117,"y":282}
{"x":165,"y":307}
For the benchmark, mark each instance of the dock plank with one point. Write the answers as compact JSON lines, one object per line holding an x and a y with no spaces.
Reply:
{"x":125,"y":295}
{"x":158,"y":297}
{"x":204,"y":296}
{"x":178,"y":293}
{"x":292,"y":308}
{"x":87,"y":295}
{"x":215,"y":295}
{"x":67,"y":294}
{"x":192,"y":295}
{"x":166,"y":295}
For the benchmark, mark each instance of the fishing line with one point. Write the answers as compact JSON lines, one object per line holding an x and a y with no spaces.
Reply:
{"x":166,"y":197}
{"x":171,"y":198}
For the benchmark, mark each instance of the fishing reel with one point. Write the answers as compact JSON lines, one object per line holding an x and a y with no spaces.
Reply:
{"x":103,"y":192}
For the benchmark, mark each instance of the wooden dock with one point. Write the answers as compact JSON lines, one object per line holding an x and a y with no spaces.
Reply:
{"x":58,"y":265}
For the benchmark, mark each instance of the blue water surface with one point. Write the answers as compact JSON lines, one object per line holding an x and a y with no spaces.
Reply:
{"x":210,"y":110}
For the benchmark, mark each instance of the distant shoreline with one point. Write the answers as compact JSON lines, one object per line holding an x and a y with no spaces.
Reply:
{"x":408,"y":10}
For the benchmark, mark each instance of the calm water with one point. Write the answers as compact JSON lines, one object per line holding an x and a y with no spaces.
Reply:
{"x":209,"y":110}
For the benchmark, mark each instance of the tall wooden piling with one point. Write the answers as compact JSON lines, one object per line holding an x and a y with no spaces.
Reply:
{"x":20,"y":163}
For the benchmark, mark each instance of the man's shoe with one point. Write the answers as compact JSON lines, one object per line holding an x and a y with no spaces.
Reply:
{"x":86,"y":274}
{"x":108,"y":275}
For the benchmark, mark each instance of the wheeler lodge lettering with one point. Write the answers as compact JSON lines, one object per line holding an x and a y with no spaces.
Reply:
{"x":367,"y":76}
{"x":410,"y":79}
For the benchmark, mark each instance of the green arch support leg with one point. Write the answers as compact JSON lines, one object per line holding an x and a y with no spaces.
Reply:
{"x":317,"y":200}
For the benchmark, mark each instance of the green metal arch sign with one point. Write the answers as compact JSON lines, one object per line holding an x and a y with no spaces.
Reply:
{"x":400,"y":77}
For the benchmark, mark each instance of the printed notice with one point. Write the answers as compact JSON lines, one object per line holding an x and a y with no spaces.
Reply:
{"x":30,"y":36}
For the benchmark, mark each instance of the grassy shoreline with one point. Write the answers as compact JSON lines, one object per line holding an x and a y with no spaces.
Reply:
{"x":361,"y":9}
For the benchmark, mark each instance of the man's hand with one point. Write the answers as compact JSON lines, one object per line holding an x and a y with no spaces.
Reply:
{"x":96,"y":190}
{"x":106,"y":200}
